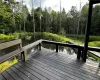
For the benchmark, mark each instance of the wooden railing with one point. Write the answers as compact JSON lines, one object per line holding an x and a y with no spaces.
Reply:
{"x":13,"y":53}
{"x":23,"y":50}
{"x":79,"y":47}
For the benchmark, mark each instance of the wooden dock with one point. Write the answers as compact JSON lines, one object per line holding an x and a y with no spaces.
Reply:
{"x":49,"y":65}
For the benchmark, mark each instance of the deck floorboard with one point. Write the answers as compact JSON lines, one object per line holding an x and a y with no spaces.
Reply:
{"x":49,"y":65}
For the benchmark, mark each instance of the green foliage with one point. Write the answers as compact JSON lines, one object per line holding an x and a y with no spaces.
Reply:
{"x":7,"y":64}
{"x":55,"y":37}
{"x":95,"y":29}
{"x":4,"y":37}
{"x":94,"y":43}
{"x":94,"y":38}
{"x":94,"y":57}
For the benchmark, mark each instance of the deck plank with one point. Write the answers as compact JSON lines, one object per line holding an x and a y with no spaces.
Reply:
{"x":85,"y":72}
{"x":89,"y":65}
{"x":33,"y":72}
{"x":67,"y":70}
{"x":7,"y":76}
{"x":75,"y":64}
{"x":14,"y":75}
{"x":1,"y":77}
{"x":20,"y":74}
{"x":27,"y":73}
{"x":49,"y":65}
{"x":40,"y":71}
{"x":54,"y":71}
{"x":49,"y":72}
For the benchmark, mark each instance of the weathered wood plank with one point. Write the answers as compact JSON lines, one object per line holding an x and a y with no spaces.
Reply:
{"x":27,"y":73}
{"x":9,"y":44}
{"x":42,"y":71}
{"x":1,"y":77}
{"x":69,"y":71}
{"x":64,"y":64}
{"x":69,"y":60}
{"x":34,"y":72}
{"x":10,"y":55}
{"x":7,"y":76}
{"x":54,"y":71}
{"x":32,"y":44}
{"x":24,"y":77}
{"x":73,"y":62}
{"x":14,"y":75}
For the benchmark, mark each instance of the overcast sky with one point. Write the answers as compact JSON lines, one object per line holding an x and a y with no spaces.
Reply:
{"x":55,"y":4}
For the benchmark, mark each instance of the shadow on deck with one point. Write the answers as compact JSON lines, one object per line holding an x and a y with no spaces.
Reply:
{"x":49,"y":65}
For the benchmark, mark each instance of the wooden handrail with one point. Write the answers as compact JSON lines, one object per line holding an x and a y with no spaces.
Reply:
{"x":79,"y":47}
{"x":62,"y":44}
{"x":72,"y":45}
{"x":13,"y":53}
{"x":32,"y":44}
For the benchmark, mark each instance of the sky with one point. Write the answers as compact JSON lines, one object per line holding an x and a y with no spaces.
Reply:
{"x":55,"y":4}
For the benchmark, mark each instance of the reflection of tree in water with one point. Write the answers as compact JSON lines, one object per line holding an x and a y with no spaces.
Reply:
{"x":61,"y":48}
{"x":69,"y":50}
{"x":49,"y":46}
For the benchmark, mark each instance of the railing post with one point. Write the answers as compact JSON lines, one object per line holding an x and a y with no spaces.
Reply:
{"x":99,"y":63}
{"x":39,"y":46}
{"x":87,"y":31}
{"x":24,"y":55}
{"x":56,"y":47}
{"x":79,"y":54}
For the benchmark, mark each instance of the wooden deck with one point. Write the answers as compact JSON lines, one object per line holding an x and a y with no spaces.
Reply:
{"x":49,"y":65}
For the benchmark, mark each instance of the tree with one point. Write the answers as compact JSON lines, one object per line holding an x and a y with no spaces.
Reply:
{"x":73,"y":17}
{"x":7,"y":21}
{"x":83,"y":19}
{"x":95,"y":27}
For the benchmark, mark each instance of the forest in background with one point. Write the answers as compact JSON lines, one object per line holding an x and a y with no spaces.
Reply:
{"x":15,"y":17}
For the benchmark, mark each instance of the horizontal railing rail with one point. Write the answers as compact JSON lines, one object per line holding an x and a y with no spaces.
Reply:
{"x":79,"y":47}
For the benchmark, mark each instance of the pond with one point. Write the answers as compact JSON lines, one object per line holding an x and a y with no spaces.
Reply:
{"x":61,"y":49}
{"x":48,"y":46}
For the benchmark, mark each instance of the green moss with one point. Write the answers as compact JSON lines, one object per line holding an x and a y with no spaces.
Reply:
{"x":7,"y":64}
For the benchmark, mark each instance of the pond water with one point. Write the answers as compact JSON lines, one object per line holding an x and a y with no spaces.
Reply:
{"x":61,"y":49}
{"x":48,"y":46}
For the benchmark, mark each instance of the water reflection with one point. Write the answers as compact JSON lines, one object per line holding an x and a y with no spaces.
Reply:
{"x":48,"y":46}
{"x":62,"y":49}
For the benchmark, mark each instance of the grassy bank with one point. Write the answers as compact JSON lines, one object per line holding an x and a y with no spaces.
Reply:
{"x":94,"y":40}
